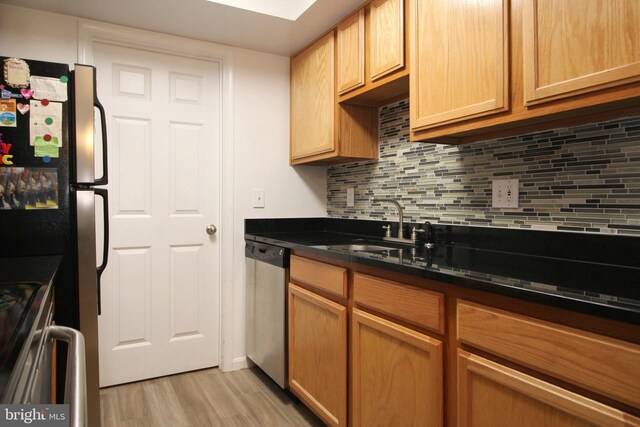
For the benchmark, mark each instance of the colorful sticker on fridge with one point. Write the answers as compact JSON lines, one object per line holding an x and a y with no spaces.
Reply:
{"x":23,"y":108}
{"x":28,"y":188}
{"x":26,"y":93}
{"x":45,"y":120}
{"x":6,"y":158}
{"x":16,"y":72}
{"x":8,"y":113}
{"x":49,"y":88}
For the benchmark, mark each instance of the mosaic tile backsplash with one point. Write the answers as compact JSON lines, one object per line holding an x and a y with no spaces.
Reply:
{"x":583,"y":179}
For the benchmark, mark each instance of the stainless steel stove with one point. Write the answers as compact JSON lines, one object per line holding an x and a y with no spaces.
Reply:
{"x":26,"y":310}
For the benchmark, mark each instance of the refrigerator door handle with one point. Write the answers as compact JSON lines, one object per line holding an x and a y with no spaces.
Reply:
{"x":85,"y":101}
{"x":105,"y":248}
{"x":104,"y":179}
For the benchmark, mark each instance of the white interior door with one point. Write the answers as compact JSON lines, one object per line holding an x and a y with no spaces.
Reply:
{"x":160,"y":292}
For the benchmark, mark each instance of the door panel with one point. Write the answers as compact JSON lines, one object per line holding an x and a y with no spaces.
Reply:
{"x":160,"y":311}
{"x":186,"y":290}
{"x":187,"y":165}
{"x":131,"y":269}
{"x":131,"y":166}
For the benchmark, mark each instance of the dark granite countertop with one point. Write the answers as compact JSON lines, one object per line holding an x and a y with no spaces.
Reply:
{"x":24,"y":287}
{"x":604,"y":282}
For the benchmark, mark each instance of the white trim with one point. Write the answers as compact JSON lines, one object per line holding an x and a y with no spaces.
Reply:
{"x":241,"y":363}
{"x":90,"y":33}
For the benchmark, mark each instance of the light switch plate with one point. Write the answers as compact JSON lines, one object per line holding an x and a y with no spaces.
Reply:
{"x":351,"y":199}
{"x":257,"y":197}
{"x":505,"y":193}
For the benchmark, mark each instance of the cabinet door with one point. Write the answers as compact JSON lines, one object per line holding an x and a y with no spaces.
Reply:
{"x":459,"y":60}
{"x":351,"y":53}
{"x":318,"y":354}
{"x":387,"y":37}
{"x":493,"y":395}
{"x":313,"y":99}
{"x":596,"y":46}
{"x":396,"y":374}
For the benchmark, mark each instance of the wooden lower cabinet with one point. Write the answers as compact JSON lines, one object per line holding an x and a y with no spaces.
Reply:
{"x":593,"y":362}
{"x":490,"y":367}
{"x":318,"y":354}
{"x":494,"y":395}
{"x":396,"y":374}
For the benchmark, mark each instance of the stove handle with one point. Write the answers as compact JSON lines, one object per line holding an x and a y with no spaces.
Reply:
{"x":75,"y":389}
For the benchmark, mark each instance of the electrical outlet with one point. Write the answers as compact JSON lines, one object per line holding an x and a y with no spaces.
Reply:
{"x":351,"y":198}
{"x":505,"y":193}
{"x":257,"y":197}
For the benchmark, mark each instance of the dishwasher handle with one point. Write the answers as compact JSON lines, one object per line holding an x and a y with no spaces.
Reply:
{"x":75,"y":393}
{"x":270,"y":254}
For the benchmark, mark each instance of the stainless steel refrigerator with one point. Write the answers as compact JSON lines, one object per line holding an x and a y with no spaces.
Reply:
{"x":49,"y":142}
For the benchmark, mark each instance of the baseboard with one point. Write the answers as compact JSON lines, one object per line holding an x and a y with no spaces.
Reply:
{"x":238,"y":363}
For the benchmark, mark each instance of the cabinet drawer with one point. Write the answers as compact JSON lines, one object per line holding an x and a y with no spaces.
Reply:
{"x":320,"y":275}
{"x":604,"y":365}
{"x":517,"y":399}
{"x":418,"y":306}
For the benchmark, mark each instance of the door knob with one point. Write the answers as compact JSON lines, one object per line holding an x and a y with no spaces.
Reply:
{"x":211,"y":229}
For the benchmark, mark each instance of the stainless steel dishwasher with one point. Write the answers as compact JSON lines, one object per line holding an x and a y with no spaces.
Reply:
{"x":267,"y":277}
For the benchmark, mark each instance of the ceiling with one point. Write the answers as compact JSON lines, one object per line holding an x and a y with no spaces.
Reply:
{"x":288,"y":9}
{"x":205,"y":20}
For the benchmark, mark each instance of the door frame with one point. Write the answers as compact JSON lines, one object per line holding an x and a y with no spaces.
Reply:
{"x":91,"y":33}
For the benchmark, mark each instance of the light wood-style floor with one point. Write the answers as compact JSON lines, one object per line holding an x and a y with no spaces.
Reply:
{"x":203,"y":399}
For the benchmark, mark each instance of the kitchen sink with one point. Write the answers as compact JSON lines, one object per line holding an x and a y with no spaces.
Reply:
{"x":359,"y":245}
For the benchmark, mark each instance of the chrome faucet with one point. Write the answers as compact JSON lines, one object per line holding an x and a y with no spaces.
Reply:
{"x":400,"y":215}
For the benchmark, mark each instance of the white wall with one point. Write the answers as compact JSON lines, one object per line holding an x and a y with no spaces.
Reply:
{"x":38,"y":35}
{"x":261,"y":154}
{"x":260,"y":134}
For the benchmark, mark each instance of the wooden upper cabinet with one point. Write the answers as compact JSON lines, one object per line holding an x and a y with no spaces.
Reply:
{"x":386,"y":43}
{"x":572,"y":47}
{"x":313,"y":99}
{"x":351,"y":53}
{"x":459,"y":60}
{"x":323,"y":132}
{"x":566,"y":62}
{"x":386,"y":75}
